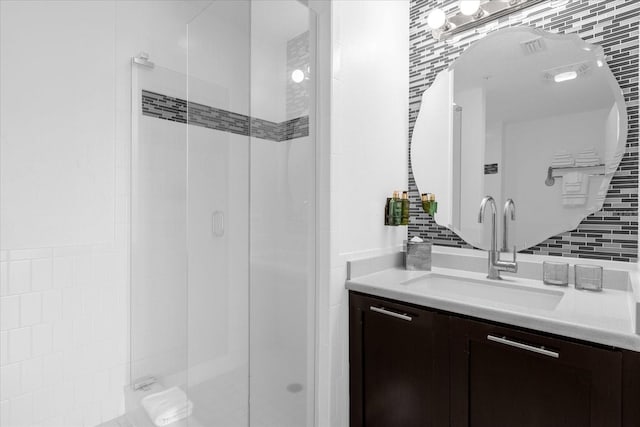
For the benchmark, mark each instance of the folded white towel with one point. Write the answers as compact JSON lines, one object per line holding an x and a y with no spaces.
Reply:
{"x":575,"y":186}
{"x":167,"y":406}
{"x":587,"y":157}
{"x":562,"y":159}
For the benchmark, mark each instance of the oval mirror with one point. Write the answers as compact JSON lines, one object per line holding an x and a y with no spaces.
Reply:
{"x":525,"y":115}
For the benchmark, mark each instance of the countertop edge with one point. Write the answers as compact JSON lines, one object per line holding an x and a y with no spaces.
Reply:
{"x":547,"y":325}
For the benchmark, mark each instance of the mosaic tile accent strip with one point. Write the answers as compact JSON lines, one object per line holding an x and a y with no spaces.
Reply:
{"x":491,"y":169}
{"x":178,"y":110}
{"x":611,"y":233}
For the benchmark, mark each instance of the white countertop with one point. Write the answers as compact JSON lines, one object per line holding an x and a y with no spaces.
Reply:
{"x":606,"y":317}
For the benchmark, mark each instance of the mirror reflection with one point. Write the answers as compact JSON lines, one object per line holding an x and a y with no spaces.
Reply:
{"x":522,"y":115}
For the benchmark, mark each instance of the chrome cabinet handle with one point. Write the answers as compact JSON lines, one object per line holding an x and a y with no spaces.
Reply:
{"x":391,"y":313}
{"x":533,"y":348}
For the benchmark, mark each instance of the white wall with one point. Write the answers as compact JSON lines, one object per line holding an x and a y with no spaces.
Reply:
{"x":66,"y":120}
{"x":369,"y":121}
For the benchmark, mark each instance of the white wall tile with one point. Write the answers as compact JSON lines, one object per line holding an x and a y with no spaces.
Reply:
{"x":10,"y":381}
{"x":51,"y":305}
{"x":19,"y":344}
{"x":42,"y":339}
{"x":44,"y":404}
{"x":21,"y":414}
{"x":52,"y":369}
{"x":30,"y":309}
{"x":71,"y":303}
{"x":9,"y":312}
{"x":62,"y":272}
{"x":4,"y":348}
{"x":19,"y":277}
{"x":4,"y":412}
{"x":32,"y":375}
{"x":4,"y":278}
{"x":41,"y":272}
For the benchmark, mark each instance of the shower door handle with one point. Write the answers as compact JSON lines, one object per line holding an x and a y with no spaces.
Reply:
{"x":217,"y":223}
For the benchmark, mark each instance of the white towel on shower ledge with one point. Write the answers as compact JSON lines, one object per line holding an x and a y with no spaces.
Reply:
{"x":168,"y":406}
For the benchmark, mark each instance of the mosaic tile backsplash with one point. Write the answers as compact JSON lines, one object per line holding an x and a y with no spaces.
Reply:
{"x":179,"y":110}
{"x":611,"y":233}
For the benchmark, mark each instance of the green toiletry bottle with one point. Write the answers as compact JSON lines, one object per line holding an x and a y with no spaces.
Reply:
{"x":397,"y":208}
{"x":433,"y":205}
{"x":405,"y":208}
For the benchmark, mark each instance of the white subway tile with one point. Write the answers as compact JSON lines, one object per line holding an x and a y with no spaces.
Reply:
{"x":10,"y":381}
{"x":91,"y":414}
{"x":102,"y":383}
{"x":85,"y":390}
{"x":9,"y":312}
{"x":4,"y":349}
{"x":4,"y":412}
{"x":52,"y":369}
{"x":63,"y":272}
{"x":41,"y":274}
{"x":19,"y":277}
{"x":82,"y":270}
{"x":51,"y":305}
{"x":73,"y":418}
{"x":30,"y":308}
{"x":21,"y":413}
{"x":4,"y":278}
{"x":90,"y":300}
{"x":22,"y":254}
{"x":64,"y":396}
{"x":44,"y":404}
{"x":71,"y":303}
{"x":42,"y":339}
{"x":62,"y":335}
{"x":19,"y":344}
{"x":32,"y":374}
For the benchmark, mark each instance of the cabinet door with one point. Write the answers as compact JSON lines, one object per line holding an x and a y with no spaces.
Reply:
{"x":504,"y":377}
{"x":395,"y":375}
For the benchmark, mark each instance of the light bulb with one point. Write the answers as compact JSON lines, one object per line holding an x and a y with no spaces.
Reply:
{"x":297,"y":76}
{"x":563,"y":77}
{"x":469,"y":7}
{"x":599,"y":63}
{"x":436,"y":19}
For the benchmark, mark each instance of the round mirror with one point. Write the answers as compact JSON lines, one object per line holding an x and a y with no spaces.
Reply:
{"x":521,"y":115}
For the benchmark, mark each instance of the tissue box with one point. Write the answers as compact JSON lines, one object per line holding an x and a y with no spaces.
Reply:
{"x":417,"y":255}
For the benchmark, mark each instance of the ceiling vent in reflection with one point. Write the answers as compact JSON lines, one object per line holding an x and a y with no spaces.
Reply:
{"x":533,"y":46}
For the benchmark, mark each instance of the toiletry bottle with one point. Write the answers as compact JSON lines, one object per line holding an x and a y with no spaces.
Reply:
{"x":397,"y":208}
{"x":433,"y":205}
{"x":425,"y":202}
{"x":405,"y":208}
{"x":387,"y":212}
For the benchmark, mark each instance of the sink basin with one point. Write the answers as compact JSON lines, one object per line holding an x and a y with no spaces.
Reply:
{"x":488,"y":291}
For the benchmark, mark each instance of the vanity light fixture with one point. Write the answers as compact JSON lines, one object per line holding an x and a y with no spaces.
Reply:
{"x":470,"y":14}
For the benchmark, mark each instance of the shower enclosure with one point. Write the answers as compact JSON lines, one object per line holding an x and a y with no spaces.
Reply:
{"x":223,"y":223}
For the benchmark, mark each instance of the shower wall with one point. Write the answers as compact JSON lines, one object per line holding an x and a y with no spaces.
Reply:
{"x":65,"y":122}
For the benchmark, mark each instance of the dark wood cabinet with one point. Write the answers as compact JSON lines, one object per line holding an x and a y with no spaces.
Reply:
{"x":504,"y":377}
{"x":394,"y":372}
{"x":414,"y":366}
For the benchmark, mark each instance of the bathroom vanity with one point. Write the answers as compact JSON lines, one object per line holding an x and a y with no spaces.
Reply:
{"x":428,"y":350}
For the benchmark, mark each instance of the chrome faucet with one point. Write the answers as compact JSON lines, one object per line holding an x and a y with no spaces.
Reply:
{"x":509,"y":208}
{"x":495,"y":264}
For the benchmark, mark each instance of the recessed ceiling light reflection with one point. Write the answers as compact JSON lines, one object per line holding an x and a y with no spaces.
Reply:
{"x":566,"y":76}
